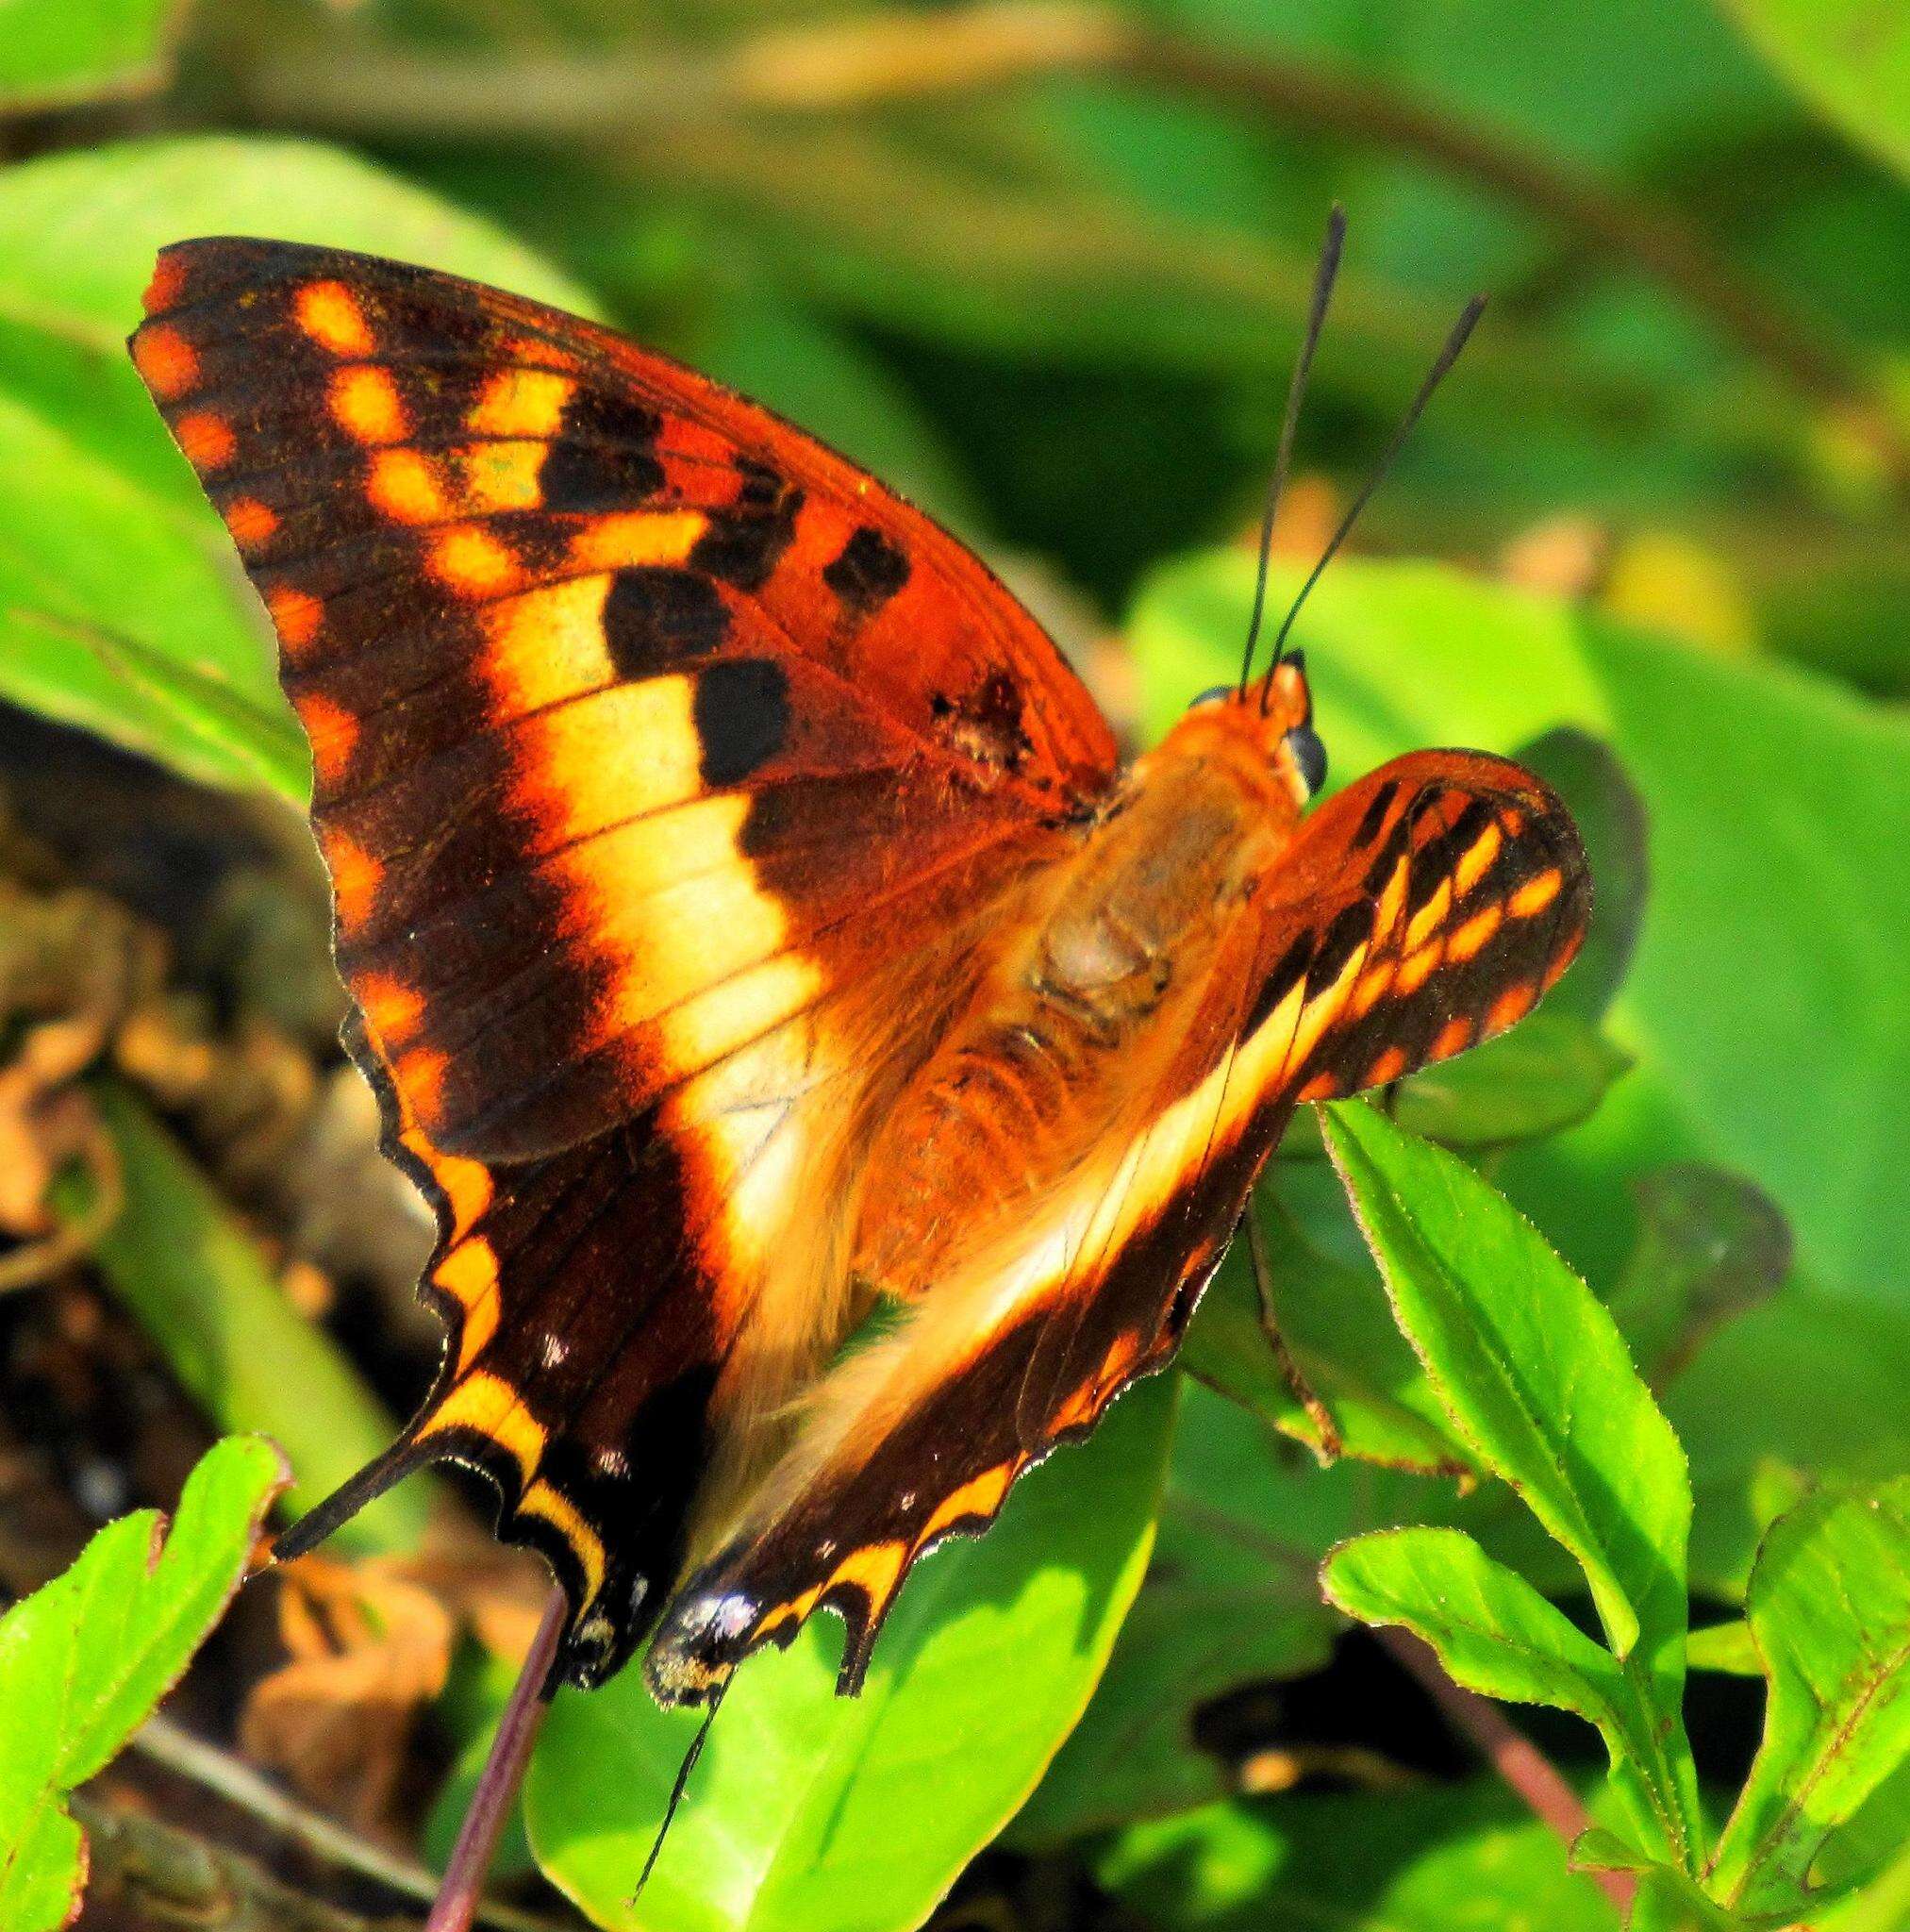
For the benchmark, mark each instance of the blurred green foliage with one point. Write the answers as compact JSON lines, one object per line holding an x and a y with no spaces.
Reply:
{"x":1043,"y":267}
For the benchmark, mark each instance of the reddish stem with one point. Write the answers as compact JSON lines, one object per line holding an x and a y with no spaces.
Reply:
{"x":1512,"y":1754}
{"x":463,"y":1888}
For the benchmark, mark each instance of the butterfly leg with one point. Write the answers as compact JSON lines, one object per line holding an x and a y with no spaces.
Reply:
{"x":1331,"y":1444}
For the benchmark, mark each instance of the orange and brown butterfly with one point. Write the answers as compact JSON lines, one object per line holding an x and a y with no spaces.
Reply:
{"x":751,"y":927}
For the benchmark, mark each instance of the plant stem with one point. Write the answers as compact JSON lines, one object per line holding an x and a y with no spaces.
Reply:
{"x":239,"y":1785}
{"x":1513,"y":1756}
{"x":463,"y":1888}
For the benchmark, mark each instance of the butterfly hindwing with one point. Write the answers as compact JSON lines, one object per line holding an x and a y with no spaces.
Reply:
{"x":1422,"y":910}
{"x":657,"y":753}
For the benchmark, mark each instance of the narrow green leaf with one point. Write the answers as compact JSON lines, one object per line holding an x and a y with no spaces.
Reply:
{"x":793,"y":1817}
{"x":84,"y":1661}
{"x":1533,"y":1373}
{"x":197,"y":1283}
{"x":1829,"y":1607}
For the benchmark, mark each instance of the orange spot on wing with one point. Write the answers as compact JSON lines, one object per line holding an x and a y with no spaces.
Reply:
{"x":1430,"y":916}
{"x":1321,"y":1086}
{"x":474,"y":562}
{"x":522,"y":402}
{"x":1467,"y":940}
{"x":1513,"y":1003}
{"x":632,"y":538}
{"x":469,"y":1273}
{"x":333,"y":732}
{"x":356,"y":877}
{"x":1535,"y":894}
{"x":586,"y":1546}
{"x":162,"y":291}
{"x":503,"y":475}
{"x":1453,"y":1037}
{"x":467,"y":1187}
{"x":251,"y":523}
{"x":366,"y":405}
{"x":1389,"y":1066}
{"x":167,"y":362}
{"x":875,"y":1569}
{"x":547,"y":645}
{"x":1476,"y":859}
{"x":331,"y":315}
{"x":206,"y":439}
{"x":488,"y":1405}
{"x":406,"y":487}
{"x":1416,"y":969}
{"x":1371,"y":989}
{"x":980,"y":1496}
{"x":392,"y":1008}
{"x":295,"y":615}
{"x":1392,"y":900}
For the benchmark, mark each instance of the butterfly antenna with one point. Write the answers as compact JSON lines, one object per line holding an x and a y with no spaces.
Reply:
{"x":678,"y":1789}
{"x":1442,"y":362}
{"x":1324,"y":278}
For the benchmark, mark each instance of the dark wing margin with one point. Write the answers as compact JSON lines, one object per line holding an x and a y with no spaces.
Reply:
{"x":1424,"y":909}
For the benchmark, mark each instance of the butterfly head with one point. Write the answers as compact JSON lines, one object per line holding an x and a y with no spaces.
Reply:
{"x":1276,"y":716}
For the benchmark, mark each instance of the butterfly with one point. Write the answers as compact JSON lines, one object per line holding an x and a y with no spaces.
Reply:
{"x":835,"y":1075}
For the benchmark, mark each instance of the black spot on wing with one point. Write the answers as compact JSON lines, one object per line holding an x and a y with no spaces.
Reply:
{"x":600,"y":458}
{"x":742,"y":717}
{"x":1375,"y":815}
{"x":1350,"y":928}
{"x":1434,"y":861}
{"x":657,"y":619}
{"x":1281,"y":981}
{"x":868,"y":573}
{"x":745,"y":542}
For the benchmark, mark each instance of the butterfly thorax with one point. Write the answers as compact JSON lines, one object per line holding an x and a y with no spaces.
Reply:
{"x":1035,"y":1081}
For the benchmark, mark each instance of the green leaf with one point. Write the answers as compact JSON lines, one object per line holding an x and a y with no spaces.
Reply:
{"x":791,"y":1819}
{"x":196,"y":1283}
{"x":57,"y":52}
{"x":1532,"y":1371}
{"x":1448,"y":1858}
{"x":122,"y":606}
{"x":84,"y":1661}
{"x":1340,"y":1330}
{"x":1726,"y":1648}
{"x":1829,"y":1607}
{"x":1849,"y":58}
{"x":1493,"y":1632}
{"x":1710,"y":1246}
{"x":1496,"y":1635}
{"x":1232,"y":1597}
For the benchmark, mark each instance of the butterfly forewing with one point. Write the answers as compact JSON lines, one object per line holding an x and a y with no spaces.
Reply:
{"x":657,"y":752}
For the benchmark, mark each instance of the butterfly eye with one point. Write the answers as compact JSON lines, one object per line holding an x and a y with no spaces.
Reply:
{"x":1207,"y":698}
{"x":1310,"y":757}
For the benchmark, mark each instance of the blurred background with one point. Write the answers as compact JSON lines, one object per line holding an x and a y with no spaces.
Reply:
{"x":1042,"y":266}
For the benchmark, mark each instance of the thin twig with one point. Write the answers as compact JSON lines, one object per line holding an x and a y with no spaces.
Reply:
{"x":460,"y":1898}
{"x":1513,"y":1756}
{"x":219,"y":1772}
